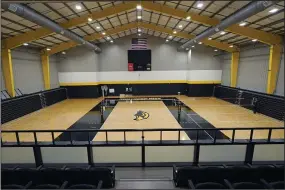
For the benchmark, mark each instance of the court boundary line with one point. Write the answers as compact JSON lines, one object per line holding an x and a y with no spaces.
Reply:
{"x":198,"y":124}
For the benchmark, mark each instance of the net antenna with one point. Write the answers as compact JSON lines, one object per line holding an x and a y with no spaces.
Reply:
{"x":104,"y":88}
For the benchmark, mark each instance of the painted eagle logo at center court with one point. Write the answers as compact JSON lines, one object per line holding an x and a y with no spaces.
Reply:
{"x":140,"y":115}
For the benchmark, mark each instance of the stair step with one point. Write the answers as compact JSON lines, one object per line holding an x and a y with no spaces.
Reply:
{"x":144,"y":184}
{"x":145,"y":179}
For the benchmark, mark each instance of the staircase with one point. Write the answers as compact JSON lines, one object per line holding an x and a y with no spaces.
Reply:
{"x":144,"y":178}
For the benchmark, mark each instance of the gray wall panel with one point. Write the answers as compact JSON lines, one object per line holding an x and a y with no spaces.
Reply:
{"x":54,"y":83}
{"x":78,"y":59}
{"x":202,"y":58}
{"x":27,"y":69}
{"x":253,"y":67}
{"x":2,"y":81}
{"x":252,"y":71}
{"x":226,"y":73}
{"x":114,"y":57}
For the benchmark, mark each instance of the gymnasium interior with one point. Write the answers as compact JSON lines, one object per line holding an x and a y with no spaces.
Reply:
{"x":142,"y":94}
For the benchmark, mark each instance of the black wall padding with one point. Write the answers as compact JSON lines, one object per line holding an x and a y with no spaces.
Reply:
{"x":52,"y":97}
{"x":159,"y":89}
{"x":137,"y":89}
{"x":270,"y":105}
{"x":14,"y":109}
{"x":83,"y":91}
{"x":200,"y":90}
{"x":227,"y":94}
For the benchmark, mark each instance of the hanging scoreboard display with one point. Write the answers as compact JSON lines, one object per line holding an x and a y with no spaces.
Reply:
{"x":139,"y":60}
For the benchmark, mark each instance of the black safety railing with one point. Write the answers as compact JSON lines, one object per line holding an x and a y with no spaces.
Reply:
{"x":37,"y":144}
{"x":124,"y":142}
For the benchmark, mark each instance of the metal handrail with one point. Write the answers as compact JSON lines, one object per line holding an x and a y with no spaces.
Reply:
{"x":153,"y":129}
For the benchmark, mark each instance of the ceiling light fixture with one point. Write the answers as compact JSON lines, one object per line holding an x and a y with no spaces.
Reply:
{"x":254,"y":40}
{"x":200,"y":5}
{"x":174,"y":32}
{"x":222,"y":33}
{"x":108,"y":38}
{"x":103,"y":33}
{"x":48,"y":49}
{"x":231,"y":46}
{"x":140,"y":34}
{"x":170,"y":37}
{"x":25,"y":44}
{"x":193,"y":46}
{"x":166,"y":40}
{"x":111,"y":41}
{"x":139,"y":17}
{"x":188,"y":18}
{"x":78,"y":7}
{"x":274,"y":10}
{"x":63,"y":52}
{"x":242,"y":24}
{"x":209,"y":38}
{"x":200,"y":43}
{"x":98,"y":27}
{"x":139,"y":30}
{"x":215,"y":50}
{"x":180,"y":26}
{"x":90,"y":19}
{"x":139,"y":7}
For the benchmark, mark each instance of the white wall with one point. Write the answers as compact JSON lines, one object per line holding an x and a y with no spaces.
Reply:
{"x":253,"y":69}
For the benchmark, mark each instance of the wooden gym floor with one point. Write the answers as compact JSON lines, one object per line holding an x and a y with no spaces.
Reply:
{"x":219,"y":113}
{"x":122,"y":117}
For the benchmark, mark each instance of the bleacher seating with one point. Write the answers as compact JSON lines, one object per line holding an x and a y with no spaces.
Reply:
{"x":229,"y":177}
{"x":58,"y":178}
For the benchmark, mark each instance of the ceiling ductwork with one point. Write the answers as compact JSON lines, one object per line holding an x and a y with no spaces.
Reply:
{"x":250,"y":10}
{"x":34,"y":17}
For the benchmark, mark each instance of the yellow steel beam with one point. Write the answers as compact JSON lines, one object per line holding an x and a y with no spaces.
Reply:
{"x":273,"y":67}
{"x":212,"y":43}
{"x":234,"y":68}
{"x":18,"y":40}
{"x":92,"y":37}
{"x":8,"y":71}
{"x":262,"y":36}
{"x":46,"y":71}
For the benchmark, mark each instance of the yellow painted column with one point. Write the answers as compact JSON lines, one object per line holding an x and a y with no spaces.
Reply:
{"x":234,"y":68}
{"x":46,"y":72}
{"x":273,"y":67}
{"x":8,"y":74}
